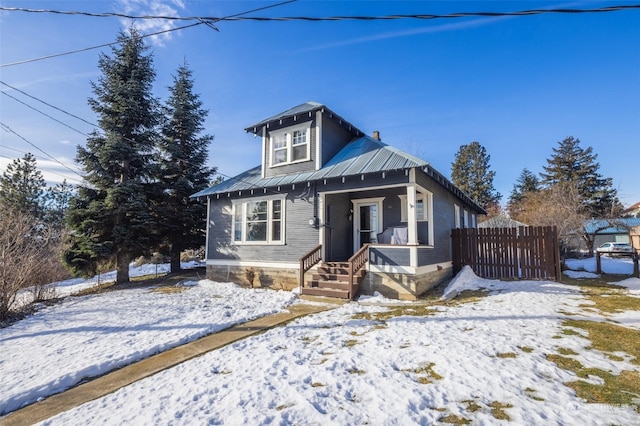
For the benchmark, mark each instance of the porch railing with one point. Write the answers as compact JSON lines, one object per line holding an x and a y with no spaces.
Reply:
{"x":357,"y":262}
{"x":308,"y":260}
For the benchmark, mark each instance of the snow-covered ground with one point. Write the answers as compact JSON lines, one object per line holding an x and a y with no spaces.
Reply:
{"x":74,"y":285}
{"x":349,"y":365}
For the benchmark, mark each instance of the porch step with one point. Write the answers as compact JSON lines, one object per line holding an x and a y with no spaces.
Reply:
{"x":344,"y":278}
{"x":326,"y":292}
{"x":337,"y":271}
{"x":342,"y":285}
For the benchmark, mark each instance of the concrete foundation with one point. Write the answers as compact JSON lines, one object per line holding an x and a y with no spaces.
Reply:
{"x":403,"y":286}
{"x":255,"y":277}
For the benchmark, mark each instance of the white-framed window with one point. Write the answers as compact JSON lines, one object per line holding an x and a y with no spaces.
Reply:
{"x":423,"y":206}
{"x":291,"y":145}
{"x":258,"y":221}
{"x":457,"y":218}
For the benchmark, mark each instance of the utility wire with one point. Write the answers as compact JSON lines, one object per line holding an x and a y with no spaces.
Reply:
{"x":42,"y":158}
{"x":206,"y":21}
{"x":10,"y":130}
{"x":45,"y":114}
{"x":47,"y":104}
{"x":329,"y":18}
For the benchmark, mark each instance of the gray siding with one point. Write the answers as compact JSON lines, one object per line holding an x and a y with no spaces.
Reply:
{"x":382,"y":256}
{"x":300,"y":237}
{"x":334,"y":138}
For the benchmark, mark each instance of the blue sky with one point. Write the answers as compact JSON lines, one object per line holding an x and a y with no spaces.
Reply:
{"x":517,"y":85}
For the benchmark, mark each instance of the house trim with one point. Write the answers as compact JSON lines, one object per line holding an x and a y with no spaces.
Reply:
{"x":411,"y":270}
{"x":254,"y":264}
{"x":356,"y":202}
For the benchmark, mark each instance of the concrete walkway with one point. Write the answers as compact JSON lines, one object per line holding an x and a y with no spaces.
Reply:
{"x":124,"y":376}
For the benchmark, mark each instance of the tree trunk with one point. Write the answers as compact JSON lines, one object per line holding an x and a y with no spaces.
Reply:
{"x":175,"y":259}
{"x":122,"y":268}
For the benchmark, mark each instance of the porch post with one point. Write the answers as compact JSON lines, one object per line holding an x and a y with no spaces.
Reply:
{"x":322,"y":230}
{"x":412,"y":220}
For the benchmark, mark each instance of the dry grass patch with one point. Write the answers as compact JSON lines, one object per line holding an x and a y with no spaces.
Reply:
{"x":566,"y":351}
{"x":507,"y":355}
{"x":472,"y":406}
{"x":452,"y":419}
{"x":497,"y":410}
{"x":610,"y":338}
{"x":531,"y":393}
{"x":425,"y":373}
{"x":168,"y":289}
{"x":623,"y":389}
{"x":351,"y":342}
{"x":414,"y":311}
{"x":355,"y":370}
{"x":526,"y":349}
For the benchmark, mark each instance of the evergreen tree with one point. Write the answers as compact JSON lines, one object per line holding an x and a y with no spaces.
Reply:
{"x":470,"y":172}
{"x":111,"y":216}
{"x":58,"y":198}
{"x":526,"y":182}
{"x":570,"y":163}
{"x":22,"y":187}
{"x":183,"y":168}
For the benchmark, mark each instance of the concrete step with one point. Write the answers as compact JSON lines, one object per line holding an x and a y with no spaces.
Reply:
{"x":326,"y":292}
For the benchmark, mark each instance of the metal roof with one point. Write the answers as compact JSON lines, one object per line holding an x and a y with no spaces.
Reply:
{"x":360,"y":156}
{"x":305,"y":108}
{"x":611,"y":226}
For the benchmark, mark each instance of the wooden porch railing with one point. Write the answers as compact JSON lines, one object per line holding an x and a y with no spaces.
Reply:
{"x":357,"y":262}
{"x":308,"y":260}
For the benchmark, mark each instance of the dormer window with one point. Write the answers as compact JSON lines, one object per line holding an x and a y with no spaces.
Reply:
{"x":290,"y":145}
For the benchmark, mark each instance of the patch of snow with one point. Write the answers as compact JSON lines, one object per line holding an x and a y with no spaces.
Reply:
{"x":580,"y":274}
{"x":609,"y":265}
{"x":86,"y":336}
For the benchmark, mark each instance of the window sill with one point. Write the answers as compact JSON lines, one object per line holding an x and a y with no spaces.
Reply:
{"x":273,"y":166}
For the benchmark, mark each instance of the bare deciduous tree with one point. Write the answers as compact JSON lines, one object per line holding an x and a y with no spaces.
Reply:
{"x":28,"y":257}
{"x":559,"y":205}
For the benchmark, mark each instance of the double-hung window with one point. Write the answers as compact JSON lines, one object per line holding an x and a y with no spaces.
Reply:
{"x":291,"y":145}
{"x":258,"y":221}
{"x":423,"y":207}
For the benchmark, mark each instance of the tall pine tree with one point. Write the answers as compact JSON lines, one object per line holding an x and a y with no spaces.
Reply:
{"x":111,"y":216}
{"x":572,"y":164}
{"x":471,"y":172}
{"x":183,"y":168}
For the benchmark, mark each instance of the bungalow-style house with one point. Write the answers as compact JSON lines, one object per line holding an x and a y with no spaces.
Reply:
{"x":326,"y":194}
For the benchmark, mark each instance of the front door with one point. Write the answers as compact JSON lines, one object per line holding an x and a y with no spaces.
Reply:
{"x":367,"y":222}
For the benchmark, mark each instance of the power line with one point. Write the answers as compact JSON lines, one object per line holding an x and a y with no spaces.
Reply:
{"x":48,"y":104}
{"x":328,"y":18}
{"x":48,"y":171}
{"x":206,"y":21}
{"x":10,"y":130}
{"x":44,"y":113}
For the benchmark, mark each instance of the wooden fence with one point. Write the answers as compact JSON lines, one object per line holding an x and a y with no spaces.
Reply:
{"x":526,"y":252}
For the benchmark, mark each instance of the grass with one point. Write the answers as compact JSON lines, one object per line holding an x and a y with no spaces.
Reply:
{"x":414,"y":311}
{"x":425,"y":373}
{"x":507,"y":355}
{"x":452,"y":419}
{"x":611,"y":339}
{"x":497,"y":410}
{"x":623,"y":389}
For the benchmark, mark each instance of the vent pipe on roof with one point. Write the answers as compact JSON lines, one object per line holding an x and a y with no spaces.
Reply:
{"x":376,"y":135}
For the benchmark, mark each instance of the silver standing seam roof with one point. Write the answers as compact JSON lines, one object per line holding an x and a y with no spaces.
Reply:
{"x":361,"y":156}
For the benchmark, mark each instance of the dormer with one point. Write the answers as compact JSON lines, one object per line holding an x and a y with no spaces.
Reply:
{"x":301,"y":139}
